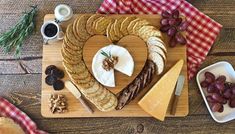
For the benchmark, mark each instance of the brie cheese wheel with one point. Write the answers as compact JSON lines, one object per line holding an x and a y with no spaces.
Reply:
{"x":124,"y":65}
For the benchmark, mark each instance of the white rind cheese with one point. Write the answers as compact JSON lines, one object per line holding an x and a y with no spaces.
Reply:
{"x":125,"y":64}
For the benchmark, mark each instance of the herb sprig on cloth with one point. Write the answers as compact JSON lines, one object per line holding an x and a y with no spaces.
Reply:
{"x":13,"y":39}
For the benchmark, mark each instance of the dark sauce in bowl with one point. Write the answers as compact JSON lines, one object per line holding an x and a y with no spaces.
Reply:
{"x":50,"y":30}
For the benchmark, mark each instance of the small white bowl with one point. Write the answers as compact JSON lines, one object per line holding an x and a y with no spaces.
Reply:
{"x":63,"y":12}
{"x":219,"y":68}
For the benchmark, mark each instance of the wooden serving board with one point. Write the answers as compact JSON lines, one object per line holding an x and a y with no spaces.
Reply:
{"x":52,"y":56}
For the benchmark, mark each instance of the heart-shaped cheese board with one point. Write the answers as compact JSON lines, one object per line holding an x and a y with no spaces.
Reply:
{"x":52,"y":56}
{"x":139,"y":55}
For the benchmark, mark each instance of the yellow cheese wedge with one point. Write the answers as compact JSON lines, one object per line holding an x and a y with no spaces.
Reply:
{"x":156,"y":101}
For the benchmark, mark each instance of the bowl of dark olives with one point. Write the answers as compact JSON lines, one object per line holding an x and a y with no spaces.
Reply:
{"x":217,"y":86}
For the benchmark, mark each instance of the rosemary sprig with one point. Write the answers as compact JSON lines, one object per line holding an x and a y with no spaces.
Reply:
{"x":105,"y":54}
{"x":13,"y":39}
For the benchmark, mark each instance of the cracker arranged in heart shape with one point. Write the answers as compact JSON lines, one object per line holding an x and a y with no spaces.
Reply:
{"x":79,"y":47}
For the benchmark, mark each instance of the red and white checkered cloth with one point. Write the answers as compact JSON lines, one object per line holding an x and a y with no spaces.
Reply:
{"x":10,"y":111}
{"x":201,"y":32}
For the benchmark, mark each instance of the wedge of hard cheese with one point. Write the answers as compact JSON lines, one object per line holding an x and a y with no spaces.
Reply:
{"x":156,"y":101}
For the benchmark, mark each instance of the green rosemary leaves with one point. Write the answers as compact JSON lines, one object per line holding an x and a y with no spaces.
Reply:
{"x":12,"y":40}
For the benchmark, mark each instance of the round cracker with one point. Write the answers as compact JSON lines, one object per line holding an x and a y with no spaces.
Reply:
{"x":108,"y":32}
{"x":146,"y":32}
{"x":77,"y":57}
{"x":75,"y":31}
{"x":81,"y":27}
{"x":113,"y":37}
{"x":101,"y":24}
{"x":117,"y":26}
{"x":125,"y":24}
{"x":68,"y":59}
{"x":77,"y":68}
{"x":158,"y":50}
{"x":158,"y":42}
{"x":85,"y":86}
{"x":99,"y":95}
{"x":71,"y":45}
{"x":71,"y":36}
{"x":90,"y":23}
{"x":70,"y":50}
{"x":131,"y":25}
{"x":112,"y":103}
{"x":85,"y":80}
{"x":138,"y":25}
{"x":92,"y":89}
{"x":158,"y":60}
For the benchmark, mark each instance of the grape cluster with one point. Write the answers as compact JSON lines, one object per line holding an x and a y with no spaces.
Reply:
{"x":172,"y":24}
{"x":219,"y":92}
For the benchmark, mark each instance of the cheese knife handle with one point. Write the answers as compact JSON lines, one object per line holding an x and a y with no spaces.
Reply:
{"x":174,"y":104}
{"x":85,"y":105}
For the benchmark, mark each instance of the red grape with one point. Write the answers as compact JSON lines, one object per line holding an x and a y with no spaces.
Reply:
{"x":227,"y":85}
{"x":216,"y":107}
{"x":171,"y":32}
{"x":166,"y":14}
{"x":175,"y":14}
{"x":232,"y":103}
{"x":209,"y":80}
{"x":180,"y":38}
{"x":227,"y":93}
{"x":224,"y":101}
{"x":210,"y":99}
{"x":219,"y":86}
{"x":165,"y":28}
{"x":211,"y":88}
{"x":183,"y":26}
{"x":233,"y":96}
{"x":221,"y":79}
{"x":233,"y":90}
{"x":164,"y":22}
{"x":204,"y":84}
{"x":172,"y":22}
{"x":221,"y":109}
{"x":178,"y":21}
{"x":217,"y":97}
{"x":209,"y":74}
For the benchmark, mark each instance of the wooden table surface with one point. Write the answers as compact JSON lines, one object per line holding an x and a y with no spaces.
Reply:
{"x":20,"y":79}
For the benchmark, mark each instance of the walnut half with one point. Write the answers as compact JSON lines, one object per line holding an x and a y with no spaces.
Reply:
{"x":58,"y":103}
{"x":108,"y":63}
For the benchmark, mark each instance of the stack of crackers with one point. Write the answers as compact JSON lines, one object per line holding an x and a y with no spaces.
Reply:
{"x":86,"y":26}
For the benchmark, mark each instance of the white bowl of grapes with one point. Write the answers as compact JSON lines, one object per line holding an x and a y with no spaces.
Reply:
{"x":217,"y":86}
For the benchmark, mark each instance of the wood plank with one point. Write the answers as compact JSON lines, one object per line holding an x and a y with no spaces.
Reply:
{"x":20,"y":66}
{"x":190,"y":125}
{"x":225,"y":41}
{"x":222,"y":11}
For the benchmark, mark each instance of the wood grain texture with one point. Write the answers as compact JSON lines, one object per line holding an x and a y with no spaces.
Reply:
{"x":52,"y":56}
{"x":14,"y":84}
